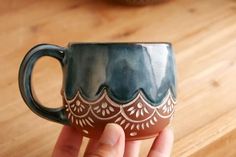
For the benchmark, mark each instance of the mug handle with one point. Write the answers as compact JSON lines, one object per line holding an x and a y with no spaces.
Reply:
{"x":24,"y":80}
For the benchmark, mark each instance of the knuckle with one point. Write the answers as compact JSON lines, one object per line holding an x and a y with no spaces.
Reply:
{"x":93,"y":155}
{"x":96,"y":154}
{"x":68,"y":149}
{"x":102,"y":151}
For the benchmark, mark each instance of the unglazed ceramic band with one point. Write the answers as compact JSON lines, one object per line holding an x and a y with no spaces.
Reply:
{"x":138,"y":118}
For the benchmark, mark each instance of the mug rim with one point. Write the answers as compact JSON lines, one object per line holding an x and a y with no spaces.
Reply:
{"x":120,"y":43}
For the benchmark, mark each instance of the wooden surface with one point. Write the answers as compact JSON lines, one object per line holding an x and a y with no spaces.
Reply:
{"x":203,"y":33}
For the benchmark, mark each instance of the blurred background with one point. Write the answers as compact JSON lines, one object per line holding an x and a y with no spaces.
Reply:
{"x":203,"y":34}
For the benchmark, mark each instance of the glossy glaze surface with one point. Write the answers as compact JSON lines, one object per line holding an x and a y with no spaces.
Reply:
{"x":122,"y":68}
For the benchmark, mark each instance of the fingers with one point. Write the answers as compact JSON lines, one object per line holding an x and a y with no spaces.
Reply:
{"x":68,"y":143}
{"x":132,"y":148}
{"x":163,"y":144}
{"x":110,"y":144}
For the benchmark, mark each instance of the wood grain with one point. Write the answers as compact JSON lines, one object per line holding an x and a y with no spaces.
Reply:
{"x":203,"y":34}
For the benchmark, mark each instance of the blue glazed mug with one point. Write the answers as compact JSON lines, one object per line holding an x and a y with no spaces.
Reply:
{"x":131,"y":84}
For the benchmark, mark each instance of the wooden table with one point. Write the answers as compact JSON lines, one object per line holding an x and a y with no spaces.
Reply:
{"x":203,"y":33}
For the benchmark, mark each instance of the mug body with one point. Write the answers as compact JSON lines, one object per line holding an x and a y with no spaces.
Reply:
{"x":131,"y":84}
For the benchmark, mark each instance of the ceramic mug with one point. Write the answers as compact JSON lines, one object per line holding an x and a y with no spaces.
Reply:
{"x":131,"y":84}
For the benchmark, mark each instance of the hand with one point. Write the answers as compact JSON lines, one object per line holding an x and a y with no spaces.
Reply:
{"x":111,"y":144}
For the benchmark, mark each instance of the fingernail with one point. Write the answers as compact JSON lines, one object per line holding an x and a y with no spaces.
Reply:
{"x":171,"y":128}
{"x":110,"y":135}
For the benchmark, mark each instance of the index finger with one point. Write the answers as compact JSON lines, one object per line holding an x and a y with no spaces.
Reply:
{"x":162,"y":145}
{"x":68,"y":143}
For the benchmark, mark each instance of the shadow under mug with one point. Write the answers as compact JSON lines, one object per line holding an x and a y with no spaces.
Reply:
{"x":131,"y":84}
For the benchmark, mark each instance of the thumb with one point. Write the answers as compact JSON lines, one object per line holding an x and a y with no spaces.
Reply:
{"x":110,"y":144}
